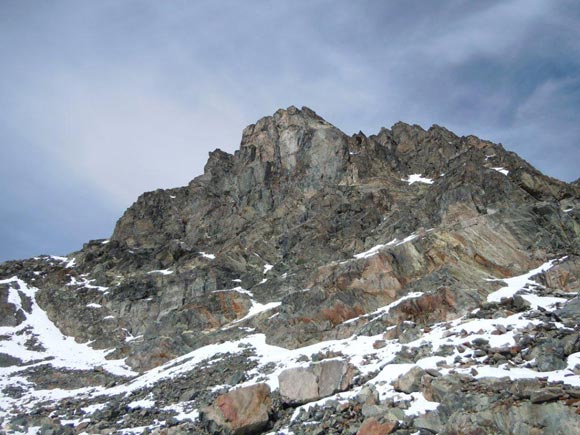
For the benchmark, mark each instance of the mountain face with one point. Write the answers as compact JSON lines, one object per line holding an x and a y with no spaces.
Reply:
{"x":411,"y":281}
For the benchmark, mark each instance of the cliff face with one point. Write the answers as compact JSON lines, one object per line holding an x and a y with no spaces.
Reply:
{"x":304,"y":235}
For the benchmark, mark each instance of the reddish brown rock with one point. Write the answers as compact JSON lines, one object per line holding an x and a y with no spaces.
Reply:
{"x":371,"y":426}
{"x":243,"y":411}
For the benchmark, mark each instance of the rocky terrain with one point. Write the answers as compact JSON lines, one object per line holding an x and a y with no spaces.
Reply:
{"x":408,"y":282}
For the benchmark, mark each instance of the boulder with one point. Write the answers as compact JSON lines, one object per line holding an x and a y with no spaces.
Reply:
{"x":410,"y":382}
{"x":371,"y":426}
{"x":306,"y":384}
{"x":571,"y":310}
{"x":546,"y":394}
{"x":242,"y":411}
{"x":298,"y":385}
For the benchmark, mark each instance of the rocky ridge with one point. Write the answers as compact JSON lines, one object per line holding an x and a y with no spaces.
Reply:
{"x":310,"y":254}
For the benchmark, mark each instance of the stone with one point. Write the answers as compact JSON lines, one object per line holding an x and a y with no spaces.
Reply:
{"x":298,"y":385}
{"x":546,"y":394}
{"x":243,"y":411}
{"x":410,"y":382}
{"x":570,"y":310}
{"x":368,"y":395}
{"x":374,"y":410}
{"x":322,"y":379}
{"x":371,"y":426}
{"x":379,"y":344}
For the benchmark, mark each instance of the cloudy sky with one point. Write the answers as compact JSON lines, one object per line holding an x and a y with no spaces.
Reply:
{"x":103,"y":100}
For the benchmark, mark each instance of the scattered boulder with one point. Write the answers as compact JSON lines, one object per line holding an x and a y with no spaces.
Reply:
{"x":298,"y":385}
{"x":410,"y":382}
{"x":305,"y":384}
{"x":242,"y":411}
{"x":371,"y":426}
{"x":546,"y":394}
{"x":571,"y":310}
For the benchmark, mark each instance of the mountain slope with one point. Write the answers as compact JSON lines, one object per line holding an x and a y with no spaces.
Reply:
{"x":306,"y":235}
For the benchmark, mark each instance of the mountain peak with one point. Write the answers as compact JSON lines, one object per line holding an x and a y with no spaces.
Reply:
{"x":310,"y":262}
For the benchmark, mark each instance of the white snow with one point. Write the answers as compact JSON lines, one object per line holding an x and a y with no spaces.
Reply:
{"x":375,"y":249}
{"x":58,"y":258}
{"x":64,"y":351}
{"x":14,"y":298}
{"x":71,"y":263}
{"x":420,"y":405}
{"x":143,"y":403}
{"x":517,"y":283}
{"x":501,"y":170}
{"x":417,"y":178}
{"x":161,"y":272}
{"x":86,"y":283}
{"x":93,"y":305}
{"x":94,"y":408}
{"x":383,"y":310}
{"x":258,"y":308}
{"x":267,"y":268}
{"x":205,"y":255}
{"x":182,"y":413}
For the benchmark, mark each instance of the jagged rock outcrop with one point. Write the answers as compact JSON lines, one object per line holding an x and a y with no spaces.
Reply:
{"x":306,"y":234}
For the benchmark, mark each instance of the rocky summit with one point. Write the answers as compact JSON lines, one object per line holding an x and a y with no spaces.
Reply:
{"x":408,"y":282}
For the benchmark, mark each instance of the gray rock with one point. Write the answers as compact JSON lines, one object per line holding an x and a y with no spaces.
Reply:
{"x":410,"y":382}
{"x":298,"y":385}
{"x":570,"y":310}
{"x":369,"y":395}
{"x":305,"y":384}
{"x":546,"y":394}
{"x":372,"y":410}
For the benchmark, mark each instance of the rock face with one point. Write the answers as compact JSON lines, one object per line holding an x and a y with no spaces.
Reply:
{"x":304,"y":254}
{"x":303,"y":197}
{"x":306,"y":384}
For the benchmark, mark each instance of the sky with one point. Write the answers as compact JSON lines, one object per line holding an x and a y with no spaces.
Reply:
{"x":101,"y":101}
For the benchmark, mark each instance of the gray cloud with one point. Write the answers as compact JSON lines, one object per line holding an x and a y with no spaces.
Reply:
{"x":104,"y":100}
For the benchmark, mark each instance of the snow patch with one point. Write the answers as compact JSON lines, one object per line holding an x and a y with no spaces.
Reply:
{"x":161,"y":272}
{"x":418,"y":178}
{"x":143,"y":403}
{"x":501,"y":170}
{"x":375,"y":249}
{"x":62,"y":351}
{"x":384,"y":310}
{"x":517,"y":283}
